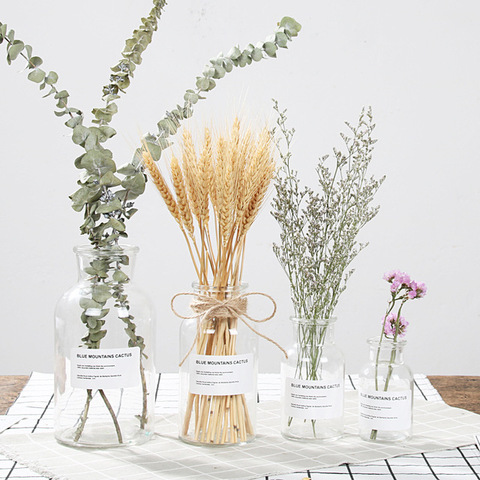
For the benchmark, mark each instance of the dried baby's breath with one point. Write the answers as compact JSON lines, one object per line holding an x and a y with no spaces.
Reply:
{"x":318,"y":238}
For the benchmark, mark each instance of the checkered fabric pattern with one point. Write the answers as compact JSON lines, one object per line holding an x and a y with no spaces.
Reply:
{"x":432,"y":420}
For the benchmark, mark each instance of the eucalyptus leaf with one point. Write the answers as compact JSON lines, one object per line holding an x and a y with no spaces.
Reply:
{"x":36,"y":75}
{"x":234,"y":53}
{"x":120,"y":277}
{"x":51,"y":78}
{"x":116,"y":224}
{"x":257,"y":54}
{"x":89,"y":303}
{"x":62,"y":94}
{"x":135,"y":184}
{"x":291,"y":26}
{"x":191,"y":96}
{"x":110,"y":180}
{"x":270,"y":49}
{"x":107,"y":132}
{"x":15,"y":49}
{"x":101,"y":293}
{"x":97,"y":336}
{"x":127,"y":169}
{"x":28,"y":51}
{"x":74,"y":121}
{"x":80,"y":134}
{"x":281,"y":40}
{"x":203,"y":83}
{"x":112,"y":206}
{"x":154,"y":150}
{"x":34,"y":62}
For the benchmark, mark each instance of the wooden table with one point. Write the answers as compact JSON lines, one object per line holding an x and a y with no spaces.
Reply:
{"x":457,"y":391}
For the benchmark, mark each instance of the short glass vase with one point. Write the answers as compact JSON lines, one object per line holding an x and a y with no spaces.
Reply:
{"x":218,"y":369}
{"x":104,"y":349}
{"x":385,"y":393}
{"x":313,"y":377}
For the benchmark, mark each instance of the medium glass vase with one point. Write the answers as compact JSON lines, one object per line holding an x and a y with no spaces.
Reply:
{"x":385,"y":393}
{"x":312,"y":395}
{"x":218,"y":369}
{"x":104,"y":347}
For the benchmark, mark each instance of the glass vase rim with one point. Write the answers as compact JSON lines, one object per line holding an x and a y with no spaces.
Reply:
{"x":313,"y":321}
{"x":375,"y":341}
{"x":212,"y":288}
{"x":116,"y":249}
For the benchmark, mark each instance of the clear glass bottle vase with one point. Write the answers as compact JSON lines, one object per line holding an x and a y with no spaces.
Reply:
{"x":385,"y":393}
{"x":104,"y":347}
{"x":312,"y":396}
{"x":218,"y":370}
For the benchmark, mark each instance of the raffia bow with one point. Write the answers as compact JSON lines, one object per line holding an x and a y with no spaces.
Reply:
{"x":206,"y":308}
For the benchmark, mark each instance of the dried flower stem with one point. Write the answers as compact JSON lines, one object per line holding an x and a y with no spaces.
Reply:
{"x":225,"y":185}
{"x":319,"y":230}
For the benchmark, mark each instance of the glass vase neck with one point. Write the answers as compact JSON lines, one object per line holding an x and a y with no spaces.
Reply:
{"x":314,"y":331}
{"x":383,"y":349}
{"x":120,"y":257}
{"x":220,"y":291}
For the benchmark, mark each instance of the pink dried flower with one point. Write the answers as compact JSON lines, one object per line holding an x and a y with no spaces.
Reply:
{"x":395,"y":286}
{"x":389,"y":276}
{"x":401,"y":280}
{"x":421,"y":290}
{"x":390,"y":325}
{"x":412,"y":293}
{"x":398,"y":279}
{"x":416,"y":290}
{"x":404,"y":279}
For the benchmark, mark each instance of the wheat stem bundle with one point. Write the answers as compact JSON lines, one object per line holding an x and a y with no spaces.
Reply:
{"x":217,"y":194}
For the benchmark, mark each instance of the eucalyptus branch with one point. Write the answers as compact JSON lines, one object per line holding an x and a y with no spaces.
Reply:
{"x":16,"y":48}
{"x":122,"y":74}
{"x":105,"y":206}
{"x":217,"y":68}
{"x":105,"y":194}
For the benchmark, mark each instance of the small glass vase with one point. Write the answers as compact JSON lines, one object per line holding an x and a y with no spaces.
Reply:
{"x":312,"y":395}
{"x":104,"y":347}
{"x":385,"y":393}
{"x":218,"y":370}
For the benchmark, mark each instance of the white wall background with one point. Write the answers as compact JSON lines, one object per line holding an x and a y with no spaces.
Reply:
{"x":417,"y":63}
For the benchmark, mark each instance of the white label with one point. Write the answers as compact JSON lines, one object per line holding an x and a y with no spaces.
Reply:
{"x":105,"y":367}
{"x":221,"y":374}
{"x":313,"y":399}
{"x":388,"y":411}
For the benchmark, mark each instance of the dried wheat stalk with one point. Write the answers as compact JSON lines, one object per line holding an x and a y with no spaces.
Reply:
{"x":223,"y":187}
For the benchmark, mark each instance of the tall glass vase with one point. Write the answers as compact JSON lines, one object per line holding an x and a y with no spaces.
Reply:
{"x":218,"y":369}
{"x":104,"y":347}
{"x":313,"y":383}
{"x":385,"y":393}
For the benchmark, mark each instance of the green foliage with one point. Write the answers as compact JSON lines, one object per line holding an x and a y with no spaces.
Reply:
{"x":105,"y":194}
{"x":215,"y":70}
{"x":319,"y":230}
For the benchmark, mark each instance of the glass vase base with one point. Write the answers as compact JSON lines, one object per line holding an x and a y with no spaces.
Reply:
{"x":313,"y":431}
{"x":215,"y":443}
{"x":96,"y":437}
{"x":324,"y":435}
{"x":383,"y":436}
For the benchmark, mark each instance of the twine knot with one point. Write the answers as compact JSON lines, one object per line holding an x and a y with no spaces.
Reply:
{"x":208,"y":308}
{"x":211,"y":307}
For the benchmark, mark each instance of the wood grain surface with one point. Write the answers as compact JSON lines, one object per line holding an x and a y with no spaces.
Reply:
{"x":10,"y":388}
{"x":457,"y":391}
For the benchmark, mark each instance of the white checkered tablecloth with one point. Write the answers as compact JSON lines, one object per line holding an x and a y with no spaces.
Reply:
{"x":34,"y":408}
